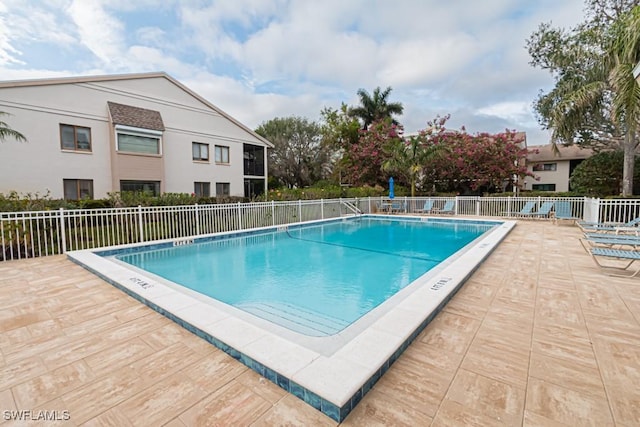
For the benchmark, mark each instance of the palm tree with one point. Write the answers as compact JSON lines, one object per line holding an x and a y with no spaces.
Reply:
{"x":625,"y":55}
{"x":602,"y":100}
{"x":6,"y":131}
{"x":375,"y":108}
{"x":407,"y":159}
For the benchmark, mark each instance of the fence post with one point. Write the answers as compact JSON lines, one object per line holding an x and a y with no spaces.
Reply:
{"x":369,"y":204}
{"x":477,"y":205}
{"x":273,"y":212}
{"x":63,"y":232}
{"x":140,"y":223}
{"x":299,"y":210}
{"x":239,"y":216}
{"x":321,"y":208}
{"x":197,"y":220}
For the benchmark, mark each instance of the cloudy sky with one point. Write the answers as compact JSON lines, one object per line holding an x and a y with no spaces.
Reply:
{"x":261,"y":59}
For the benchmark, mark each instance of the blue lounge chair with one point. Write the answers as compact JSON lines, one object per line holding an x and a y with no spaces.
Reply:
{"x":611,"y":236}
{"x":617,"y":254}
{"x":427,"y":208}
{"x":527,"y":209}
{"x":562,"y":211}
{"x":448,"y":208}
{"x":612,"y":240}
{"x":629,"y":226}
{"x":544,"y":211}
{"x":397,"y":207}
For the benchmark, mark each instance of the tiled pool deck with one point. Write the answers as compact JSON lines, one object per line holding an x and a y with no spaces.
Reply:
{"x":537,"y":336}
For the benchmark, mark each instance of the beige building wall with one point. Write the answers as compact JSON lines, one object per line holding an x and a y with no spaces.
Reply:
{"x":40,"y":165}
{"x":38,"y":108}
{"x":562,"y":161}
{"x":559,"y":177}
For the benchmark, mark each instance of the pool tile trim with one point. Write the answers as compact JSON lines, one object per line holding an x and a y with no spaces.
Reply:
{"x":305,"y":383}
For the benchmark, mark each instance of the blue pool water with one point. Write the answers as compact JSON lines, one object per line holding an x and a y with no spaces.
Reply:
{"x":315,"y":280}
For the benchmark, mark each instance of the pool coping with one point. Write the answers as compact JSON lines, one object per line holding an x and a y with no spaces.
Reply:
{"x":333,"y":383}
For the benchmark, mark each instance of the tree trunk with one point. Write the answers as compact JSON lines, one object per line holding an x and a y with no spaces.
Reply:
{"x":629,"y":162}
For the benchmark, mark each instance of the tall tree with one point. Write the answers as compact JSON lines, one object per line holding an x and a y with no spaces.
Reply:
{"x":459,"y":161}
{"x":601,"y":174}
{"x":595,"y":101}
{"x":363,"y":161}
{"x":298,"y":156}
{"x":480,"y":162}
{"x":407,"y":158}
{"x":7,"y":132}
{"x":340,"y":132}
{"x":376,"y":107}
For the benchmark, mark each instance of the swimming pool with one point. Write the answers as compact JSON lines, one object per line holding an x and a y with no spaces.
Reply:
{"x":317,"y":279}
{"x":330,"y":373}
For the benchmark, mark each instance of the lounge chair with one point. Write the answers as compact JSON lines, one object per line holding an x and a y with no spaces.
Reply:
{"x":544,"y":211}
{"x":630,"y":226}
{"x":562,"y":211}
{"x":611,"y":240}
{"x":617,"y":254}
{"x":427,"y":208}
{"x":448,"y":208}
{"x":397,"y":207}
{"x":527,"y":209}
{"x":611,"y":236}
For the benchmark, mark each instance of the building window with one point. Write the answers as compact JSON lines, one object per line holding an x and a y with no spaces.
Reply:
{"x":142,"y":144}
{"x":540,"y":167}
{"x":150,"y":187}
{"x":76,"y":138}
{"x":202,"y":189}
{"x":223,"y":188}
{"x":222,"y":154}
{"x":253,"y":187}
{"x":544,"y":187}
{"x":200,"y":151}
{"x":76,"y":189}
{"x":253,"y":160}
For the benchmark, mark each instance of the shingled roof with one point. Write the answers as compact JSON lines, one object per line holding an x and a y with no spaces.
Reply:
{"x":128,"y":115}
{"x":546,"y":153}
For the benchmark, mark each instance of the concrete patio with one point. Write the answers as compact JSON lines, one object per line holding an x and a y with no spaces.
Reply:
{"x":537,"y":336}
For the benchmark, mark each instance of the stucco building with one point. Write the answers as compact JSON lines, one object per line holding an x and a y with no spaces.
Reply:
{"x":87,"y":136}
{"x":552,"y":169}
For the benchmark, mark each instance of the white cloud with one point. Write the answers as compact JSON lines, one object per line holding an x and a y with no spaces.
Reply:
{"x":8,"y":54}
{"x":259,"y":59}
{"x":513,"y":111}
{"x":151,"y":35}
{"x":99,"y":31}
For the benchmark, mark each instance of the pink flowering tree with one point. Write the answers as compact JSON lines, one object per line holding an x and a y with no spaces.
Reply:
{"x":435,"y":158}
{"x":478,"y":162}
{"x":363,"y":161}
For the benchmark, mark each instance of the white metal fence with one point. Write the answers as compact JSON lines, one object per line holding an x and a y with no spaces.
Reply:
{"x":41,"y":233}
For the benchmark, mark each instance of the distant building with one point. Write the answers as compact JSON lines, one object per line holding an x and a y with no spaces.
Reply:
{"x":553,"y":169}
{"x":88,"y":136}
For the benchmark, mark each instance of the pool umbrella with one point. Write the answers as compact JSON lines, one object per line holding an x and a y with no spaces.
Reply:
{"x":391,"y":195}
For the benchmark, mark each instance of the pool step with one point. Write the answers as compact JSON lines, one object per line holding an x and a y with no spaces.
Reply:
{"x":302,"y":320}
